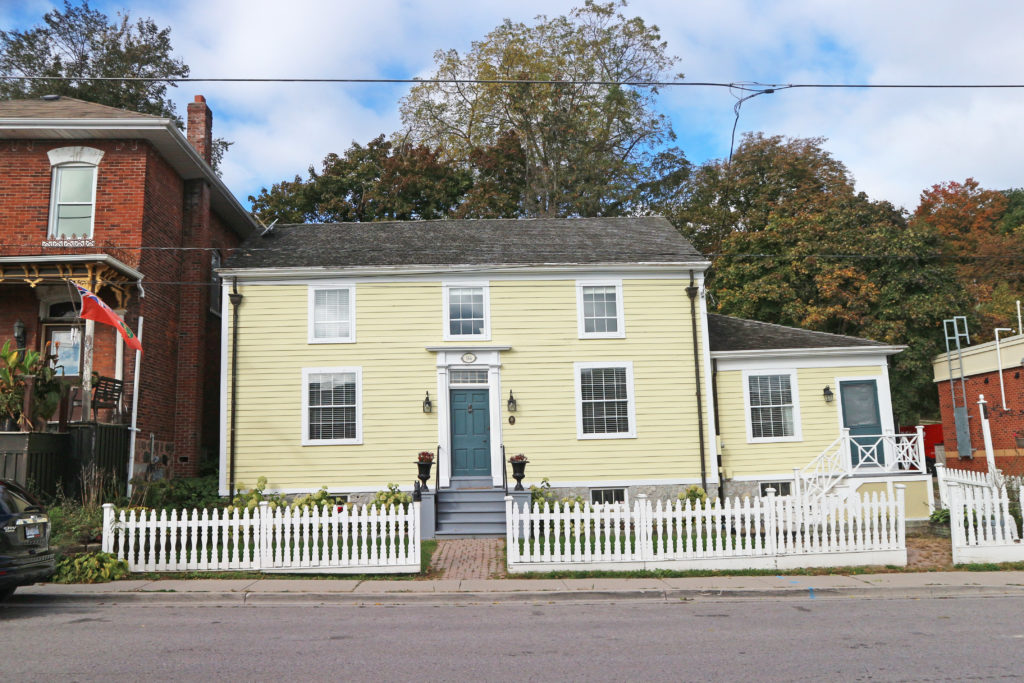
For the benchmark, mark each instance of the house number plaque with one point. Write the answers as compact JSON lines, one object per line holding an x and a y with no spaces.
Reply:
{"x":469,"y":358}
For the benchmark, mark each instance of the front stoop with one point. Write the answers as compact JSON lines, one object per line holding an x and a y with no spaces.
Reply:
{"x":471,"y":507}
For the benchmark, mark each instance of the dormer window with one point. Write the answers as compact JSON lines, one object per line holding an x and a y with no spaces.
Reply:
{"x":73,"y":193}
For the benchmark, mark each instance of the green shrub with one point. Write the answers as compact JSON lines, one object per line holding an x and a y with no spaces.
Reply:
{"x":72,"y":523}
{"x":90,"y":568}
{"x":940,"y":516}
{"x":182,"y":493}
{"x":392,"y":496}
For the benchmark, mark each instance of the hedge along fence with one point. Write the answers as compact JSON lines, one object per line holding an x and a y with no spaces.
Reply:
{"x":982,"y":525}
{"x":760,"y":533}
{"x":332,"y":539}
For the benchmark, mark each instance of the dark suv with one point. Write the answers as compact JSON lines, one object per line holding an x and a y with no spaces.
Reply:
{"x":25,"y":555}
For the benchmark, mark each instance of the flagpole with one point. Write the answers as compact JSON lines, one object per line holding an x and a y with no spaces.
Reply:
{"x":135,"y":413}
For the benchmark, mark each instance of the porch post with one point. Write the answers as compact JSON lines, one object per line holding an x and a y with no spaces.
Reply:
{"x":986,"y":433}
{"x":922,"y":464}
{"x":90,"y":333}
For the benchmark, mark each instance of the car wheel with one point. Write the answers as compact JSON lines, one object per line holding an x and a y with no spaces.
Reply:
{"x":6,"y":593}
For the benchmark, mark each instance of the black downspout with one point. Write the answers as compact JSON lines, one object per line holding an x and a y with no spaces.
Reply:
{"x":236,"y":301}
{"x":718,"y":430}
{"x":691,"y":292}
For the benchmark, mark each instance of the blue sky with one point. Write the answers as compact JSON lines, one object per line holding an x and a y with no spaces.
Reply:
{"x":895,"y":142}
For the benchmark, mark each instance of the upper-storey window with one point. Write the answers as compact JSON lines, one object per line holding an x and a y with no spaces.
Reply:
{"x":599,"y":310}
{"x":332,"y":313}
{"x":466,"y":313}
{"x":73,"y":192}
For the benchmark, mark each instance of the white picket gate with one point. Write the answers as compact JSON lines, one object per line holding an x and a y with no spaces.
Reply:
{"x":981,"y":526}
{"x":966,"y":478}
{"x":759,"y":533}
{"x":332,"y":539}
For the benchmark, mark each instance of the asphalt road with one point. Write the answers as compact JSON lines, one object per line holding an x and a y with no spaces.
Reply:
{"x":717,"y":639}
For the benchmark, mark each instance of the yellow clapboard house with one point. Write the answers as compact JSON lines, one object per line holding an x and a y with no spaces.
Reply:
{"x":584,"y":344}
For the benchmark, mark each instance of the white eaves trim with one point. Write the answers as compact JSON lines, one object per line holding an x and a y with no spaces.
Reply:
{"x":818,"y":352}
{"x":117,"y":265}
{"x":566,"y":271}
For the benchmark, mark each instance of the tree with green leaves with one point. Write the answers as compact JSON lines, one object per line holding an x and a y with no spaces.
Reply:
{"x":793,"y":243}
{"x":80,"y":44}
{"x":378,"y":181}
{"x":583,"y":145}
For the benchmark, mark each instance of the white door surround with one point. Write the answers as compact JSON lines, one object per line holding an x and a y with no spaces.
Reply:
{"x":467,"y":357}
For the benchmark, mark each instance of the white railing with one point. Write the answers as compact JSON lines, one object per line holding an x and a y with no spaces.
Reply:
{"x":966,"y":478}
{"x":752,"y":533}
{"x":332,"y":539}
{"x":982,"y":527}
{"x":848,"y":455}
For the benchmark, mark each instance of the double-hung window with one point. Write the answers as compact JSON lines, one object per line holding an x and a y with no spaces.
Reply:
{"x":467,"y":311}
{"x":604,"y":400}
{"x":773,"y":412}
{"x":332,"y":314}
{"x":73,"y":193}
{"x":332,"y":406}
{"x":599,"y":309}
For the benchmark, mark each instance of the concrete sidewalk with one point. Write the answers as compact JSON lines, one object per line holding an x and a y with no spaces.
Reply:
{"x":341,"y":591}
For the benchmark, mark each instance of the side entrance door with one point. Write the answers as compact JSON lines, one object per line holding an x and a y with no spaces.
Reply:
{"x":471,"y":433}
{"x":861,"y":415}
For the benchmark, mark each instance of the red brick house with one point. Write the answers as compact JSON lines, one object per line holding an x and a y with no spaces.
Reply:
{"x":1004,"y":398}
{"x":128,"y":207}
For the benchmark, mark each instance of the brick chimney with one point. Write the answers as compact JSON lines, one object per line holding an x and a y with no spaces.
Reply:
{"x":200,"y":128}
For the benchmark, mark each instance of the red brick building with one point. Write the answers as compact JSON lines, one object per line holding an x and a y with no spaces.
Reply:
{"x":128,"y":207}
{"x":981,"y":364}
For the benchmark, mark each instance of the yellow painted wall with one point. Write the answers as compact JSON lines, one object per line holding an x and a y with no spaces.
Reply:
{"x":395,"y":321}
{"x":915,"y":494}
{"x":820,"y":422}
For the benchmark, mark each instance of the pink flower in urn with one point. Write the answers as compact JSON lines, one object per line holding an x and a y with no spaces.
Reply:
{"x":425,"y":456}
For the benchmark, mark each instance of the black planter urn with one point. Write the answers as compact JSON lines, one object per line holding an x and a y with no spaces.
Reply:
{"x":423,"y":473}
{"x":518,"y":472}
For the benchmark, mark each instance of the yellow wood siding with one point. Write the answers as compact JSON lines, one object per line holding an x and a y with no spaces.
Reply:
{"x":396,"y":321}
{"x":819,"y":421}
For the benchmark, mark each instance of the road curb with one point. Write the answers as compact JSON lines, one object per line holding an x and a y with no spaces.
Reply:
{"x":255,"y":599}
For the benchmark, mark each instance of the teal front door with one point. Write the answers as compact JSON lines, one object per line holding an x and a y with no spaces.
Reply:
{"x":863,"y":418}
{"x":471,"y":433}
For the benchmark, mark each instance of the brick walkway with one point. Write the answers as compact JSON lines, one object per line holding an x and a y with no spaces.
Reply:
{"x":470,"y":558}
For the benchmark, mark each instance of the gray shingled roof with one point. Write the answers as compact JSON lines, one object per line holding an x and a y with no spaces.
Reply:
{"x":467,"y":242}
{"x":64,"y":108}
{"x":726,"y":333}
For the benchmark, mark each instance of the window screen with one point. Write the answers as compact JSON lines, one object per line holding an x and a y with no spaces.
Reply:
{"x":771,"y":406}
{"x":605,"y":399}
{"x":332,"y":405}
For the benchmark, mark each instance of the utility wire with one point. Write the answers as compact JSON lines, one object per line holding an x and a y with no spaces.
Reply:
{"x":759,"y":88}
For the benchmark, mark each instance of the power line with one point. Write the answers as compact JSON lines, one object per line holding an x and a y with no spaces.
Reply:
{"x":751,"y":86}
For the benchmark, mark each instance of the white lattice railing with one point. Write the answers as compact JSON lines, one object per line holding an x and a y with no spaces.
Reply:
{"x":769,"y":532}
{"x":982,"y":526}
{"x":322,"y":540}
{"x":848,"y":455}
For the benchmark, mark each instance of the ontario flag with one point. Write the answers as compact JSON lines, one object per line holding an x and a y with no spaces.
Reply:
{"x":93,"y":308}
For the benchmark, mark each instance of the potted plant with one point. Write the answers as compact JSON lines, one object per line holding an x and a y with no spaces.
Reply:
{"x":29,"y":372}
{"x":518,"y":469}
{"x":423,"y":462}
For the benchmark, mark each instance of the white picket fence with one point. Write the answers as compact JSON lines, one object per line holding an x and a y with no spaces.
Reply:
{"x":981,"y":526}
{"x":324,"y":540}
{"x":760,"y":533}
{"x":966,"y":478}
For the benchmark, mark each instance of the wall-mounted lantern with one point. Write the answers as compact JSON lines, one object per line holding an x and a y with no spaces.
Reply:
{"x":512,"y":406}
{"x":427,"y":405}
{"x":827,"y":393}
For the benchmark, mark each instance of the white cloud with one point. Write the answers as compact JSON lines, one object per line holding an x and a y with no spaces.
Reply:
{"x":896,"y":143}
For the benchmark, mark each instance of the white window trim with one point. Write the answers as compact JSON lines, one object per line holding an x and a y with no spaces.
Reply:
{"x":620,"y":318}
{"x":311,"y":322}
{"x":794,"y":390}
{"x":630,"y":398}
{"x":486,"y":287}
{"x":306,"y":441}
{"x":65,"y":157}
